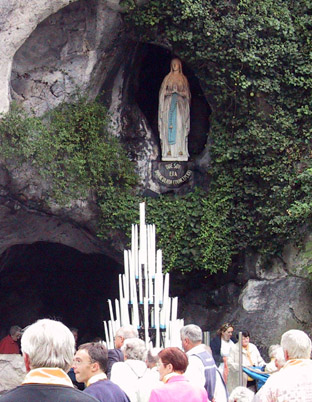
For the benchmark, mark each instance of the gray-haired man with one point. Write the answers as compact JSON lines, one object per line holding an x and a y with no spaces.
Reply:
{"x":48,"y":349}
{"x":294,"y":381}
{"x":202,"y":370}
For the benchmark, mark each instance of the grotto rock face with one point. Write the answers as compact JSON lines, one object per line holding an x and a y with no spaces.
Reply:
{"x":22,"y":225}
{"x":12,"y":372}
{"x":74,"y":49}
{"x":52,"y":49}
{"x":266,"y":301}
{"x":17,"y":21}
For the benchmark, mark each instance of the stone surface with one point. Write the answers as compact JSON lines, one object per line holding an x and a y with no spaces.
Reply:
{"x":12,"y":372}
{"x":78,"y":46}
{"x":265,"y":300}
{"x":73,"y":49}
{"x":269,"y":308}
{"x":22,"y":225}
{"x":18,"y":19}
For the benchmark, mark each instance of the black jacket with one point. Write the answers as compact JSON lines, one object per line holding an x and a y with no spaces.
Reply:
{"x":46,"y":393}
{"x":215,"y":345}
{"x":114,"y":355}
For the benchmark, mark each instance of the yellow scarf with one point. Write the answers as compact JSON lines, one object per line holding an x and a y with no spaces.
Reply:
{"x":48,"y":375}
{"x":250,"y":361}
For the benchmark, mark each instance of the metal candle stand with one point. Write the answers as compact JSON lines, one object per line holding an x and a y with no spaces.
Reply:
{"x":144,"y":300}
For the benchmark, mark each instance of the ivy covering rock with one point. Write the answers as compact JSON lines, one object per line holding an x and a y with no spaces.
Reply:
{"x":253,"y":60}
{"x":254,"y":63}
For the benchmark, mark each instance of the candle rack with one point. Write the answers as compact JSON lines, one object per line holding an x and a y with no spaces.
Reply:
{"x":144,"y":300}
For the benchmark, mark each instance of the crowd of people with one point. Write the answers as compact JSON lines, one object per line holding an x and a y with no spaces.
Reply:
{"x":131,"y":373}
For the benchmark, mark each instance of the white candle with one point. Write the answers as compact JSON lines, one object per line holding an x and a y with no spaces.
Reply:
{"x":174,"y":311}
{"x":136,"y":250}
{"x":160,"y":288}
{"x":126,"y":287}
{"x":133,"y":286}
{"x":146,"y":290}
{"x":124,"y":312}
{"x":117,"y":308}
{"x":151,"y":290}
{"x":167,"y":314}
{"x":111,"y":334}
{"x":140,"y":285}
{"x":166,"y":304}
{"x":136,"y":320}
{"x":121,"y":293}
{"x":126,"y":282}
{"x":146,"y":320}
{"x":156,"y":309}
{"x":107,"y":340}
{"x":131,"y":277}
{"x":166,"y":287}
{"x":148,"y":250}
{"x":111,"y":311}
{"x":153,"y":249}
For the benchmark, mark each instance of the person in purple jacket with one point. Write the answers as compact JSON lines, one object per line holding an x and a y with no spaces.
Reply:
{"x":177,"y":388}
{"x":90,"y":363}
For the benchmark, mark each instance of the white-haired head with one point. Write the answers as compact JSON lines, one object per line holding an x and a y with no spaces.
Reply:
{"x":123,"y":333}
{"x":296,"y":344}
{"x":192,"y":332}
{"x":241,"y":394}
{"x":48,"y":343}
{"x":134,"y":349}
{"x":128,"y":331}
{"x":272,"y":350}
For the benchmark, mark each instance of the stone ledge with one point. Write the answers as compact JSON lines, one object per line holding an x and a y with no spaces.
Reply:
{"x":12,"y":371}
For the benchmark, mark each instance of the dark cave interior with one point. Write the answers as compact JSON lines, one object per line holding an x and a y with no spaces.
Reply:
{"x":49,"y":280}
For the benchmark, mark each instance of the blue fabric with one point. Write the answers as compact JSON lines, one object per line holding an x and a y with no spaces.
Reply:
{"x":106,"y":391}
{"x":259,"y":377}
{"x":172,"y":120}
{"x":210,"y":372}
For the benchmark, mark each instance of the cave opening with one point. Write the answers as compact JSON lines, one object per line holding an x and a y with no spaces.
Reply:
{"x":153,"y":65}
{"x":51,"y":280}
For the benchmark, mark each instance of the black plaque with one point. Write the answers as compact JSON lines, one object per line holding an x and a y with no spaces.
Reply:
{"x":171,"y":174}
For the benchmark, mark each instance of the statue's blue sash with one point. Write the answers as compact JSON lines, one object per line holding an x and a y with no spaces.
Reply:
{"x":172,"y":120}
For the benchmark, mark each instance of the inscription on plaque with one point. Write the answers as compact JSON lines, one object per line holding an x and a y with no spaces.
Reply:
{"x":171,"y":174}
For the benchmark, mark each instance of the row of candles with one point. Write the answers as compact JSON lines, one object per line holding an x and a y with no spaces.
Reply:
{"x":144,"y":300}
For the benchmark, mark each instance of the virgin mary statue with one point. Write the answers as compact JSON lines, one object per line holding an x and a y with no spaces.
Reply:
{"x":174,"y":114}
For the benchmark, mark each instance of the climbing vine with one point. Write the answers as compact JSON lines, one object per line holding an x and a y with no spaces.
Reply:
{"x":189,"y":238}
{"x":253,"y":59}
{"x":70,"y":146}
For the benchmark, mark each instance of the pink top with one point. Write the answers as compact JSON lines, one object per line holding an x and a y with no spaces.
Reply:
{"x":178,"y":389}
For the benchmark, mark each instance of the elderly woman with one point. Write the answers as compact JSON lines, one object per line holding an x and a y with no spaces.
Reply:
{"x":250,"y":357}
{"x":172,"y":364}
{"x":150,"y":379}
{"x":221,"y":346}
{"x":276,"y":354}
{"x":128,"y":373}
